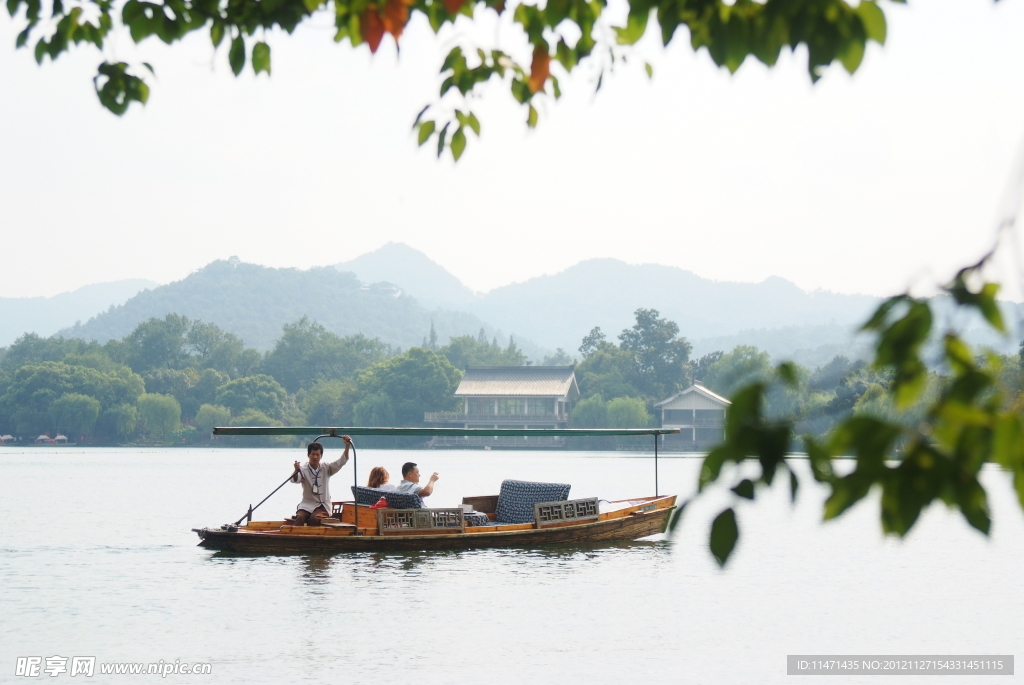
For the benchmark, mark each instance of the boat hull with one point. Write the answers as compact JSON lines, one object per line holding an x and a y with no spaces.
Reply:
{"x":632,"y":527}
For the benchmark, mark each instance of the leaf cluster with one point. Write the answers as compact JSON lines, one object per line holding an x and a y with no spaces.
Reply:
{"x":562,"y":32}
{"x":969,"y":420}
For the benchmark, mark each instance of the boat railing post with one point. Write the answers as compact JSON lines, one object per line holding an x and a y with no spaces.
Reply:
{"x":355,"y":482}
{"x":657,"y":435}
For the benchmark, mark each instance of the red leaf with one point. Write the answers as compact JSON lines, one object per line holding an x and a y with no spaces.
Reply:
{"x":372,"y":27}
{"x":453,"y":6}
{"x":396,"y":14}
{"x":540,"y":68}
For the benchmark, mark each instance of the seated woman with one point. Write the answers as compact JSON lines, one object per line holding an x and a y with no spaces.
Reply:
{"x":379,"y":479}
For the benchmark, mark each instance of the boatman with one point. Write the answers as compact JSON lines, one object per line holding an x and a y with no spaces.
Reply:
{"x":316,"y":496}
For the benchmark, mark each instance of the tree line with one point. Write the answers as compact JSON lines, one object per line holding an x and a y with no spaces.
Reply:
{"x":173,"y":379}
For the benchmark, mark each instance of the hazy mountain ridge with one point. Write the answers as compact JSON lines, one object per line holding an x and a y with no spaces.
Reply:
{"x":45,"y":316}
{"x":254,"y":302}
{"x":558,"y":310}
{"x":543,"y":312}
{"x":410,"y":269}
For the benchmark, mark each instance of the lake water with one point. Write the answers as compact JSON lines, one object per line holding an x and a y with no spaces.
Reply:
{"x":97,"y":559}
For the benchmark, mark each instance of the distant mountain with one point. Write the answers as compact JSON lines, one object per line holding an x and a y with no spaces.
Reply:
{"x":254,"y":302}
{"x":559,"y":310}
{"x":46,"y":315}
{"x":413,"y":272}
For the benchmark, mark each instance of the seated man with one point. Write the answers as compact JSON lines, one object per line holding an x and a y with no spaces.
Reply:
{"x":316,"y":496}
{"x":411,"y":481}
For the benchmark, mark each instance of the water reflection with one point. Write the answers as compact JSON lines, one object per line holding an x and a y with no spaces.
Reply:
{"x":316,"y":569}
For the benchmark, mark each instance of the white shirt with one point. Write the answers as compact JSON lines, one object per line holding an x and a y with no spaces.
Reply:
{"x":408,"y":487}
{"x":307,"y":476}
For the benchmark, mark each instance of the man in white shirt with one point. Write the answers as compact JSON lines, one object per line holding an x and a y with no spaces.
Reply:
{"x":411,"y":481}
{"x":314,"y":477}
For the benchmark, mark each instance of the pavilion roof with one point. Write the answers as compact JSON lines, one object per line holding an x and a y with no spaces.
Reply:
{"x":519,"y":381}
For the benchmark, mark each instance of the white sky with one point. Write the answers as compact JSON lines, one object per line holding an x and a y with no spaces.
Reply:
{"x":862,"y":184}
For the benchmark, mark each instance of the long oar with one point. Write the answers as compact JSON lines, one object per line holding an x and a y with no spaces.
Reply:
{"x":248,"y":514}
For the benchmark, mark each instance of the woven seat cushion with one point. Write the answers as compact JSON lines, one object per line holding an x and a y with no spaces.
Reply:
{"x":517,"y":497}
{"x":396,"y":500}
{"x":476,"y":519}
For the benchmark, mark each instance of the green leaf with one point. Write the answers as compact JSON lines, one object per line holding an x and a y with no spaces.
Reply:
{"x":216,"y":33}
{"x":745,"y":489}
{"x":261,"y":57}
{"x":117,"y":89}
{"x":420,"y":116}
{"x":724,"y":533}
{"x":473,"y":123}
{"x":873,"y":20}
{"x":852,"y":56}
{"x":712,"y":467}
{"x":794,"y":485}
{"x":22,"y":38}
{"x":677,"y":517}
{"x":636,"y":25}
{"x":236,"y":55}
{"x":531,"y":118}
{"x":426,"y":130}
{"x":788,"y":373}
{"x":649,"y":69}
{"x":458,"y":143}
{"x":440,"y":139}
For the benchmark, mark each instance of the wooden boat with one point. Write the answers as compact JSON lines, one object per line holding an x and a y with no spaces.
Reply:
{"x":360,"y":528}
{"x":635,"y":519}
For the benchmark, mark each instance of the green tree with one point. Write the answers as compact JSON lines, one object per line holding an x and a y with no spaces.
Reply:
{"x":119,"y":421}
{"x":75,"y":415}
{"x":606,"y":370}
{"x":178,"y":383}
{"x":592,"y":341}
{"x":628,"y":412}
{"x":560,"y":35}
{"x":329,"y":403}
{"x":253,"y":392}
{"x":160,"y":414}
{"x":154,"y":344}
{"x":699,"y":367}
{"x":744,"y":365}
{"x":590,"y":412}
{"x":205,"y":389}
{"x":559,"y":358}
{"x":658,"y":354}
{"x":212,"y":348}
{"x":308,"y":353}
{"x":415,"y":382}
{"x":254,"y":417}
{"x":31,"y":349}
{"x":32,"y":390}
{"x":465,"y":351}
{"x":210,"y":416}
{"x":374,"y":409}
